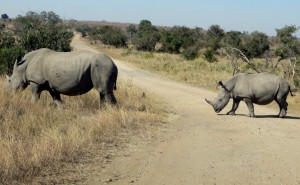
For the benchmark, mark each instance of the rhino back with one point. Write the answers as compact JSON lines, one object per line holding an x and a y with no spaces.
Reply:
{"x":262,"y":88}
{"x":68,"y":73}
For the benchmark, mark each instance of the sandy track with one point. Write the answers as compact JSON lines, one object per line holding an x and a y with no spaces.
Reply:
{"x":201,"y":147}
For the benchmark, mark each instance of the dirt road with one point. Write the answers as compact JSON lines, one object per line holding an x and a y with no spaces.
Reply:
{"x":202,"y":147}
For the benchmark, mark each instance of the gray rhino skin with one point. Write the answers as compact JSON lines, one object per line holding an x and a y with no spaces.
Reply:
{"x":260,"y":88}
{"x":69,"y":73}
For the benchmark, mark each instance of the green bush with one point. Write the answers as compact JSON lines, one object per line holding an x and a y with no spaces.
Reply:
{"x":146,"y":37}
{"x":8,"y":57}
{"x":256,"y":45}
{"x":190,"y":53}
{"x":209,"y":55}
{"x":113,"y":36}
{"x":44,"y":30}
{"x":146,"y":42}
{"x":7,"y":40}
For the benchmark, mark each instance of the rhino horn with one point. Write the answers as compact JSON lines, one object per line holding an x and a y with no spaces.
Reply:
{"x":209,"y":102}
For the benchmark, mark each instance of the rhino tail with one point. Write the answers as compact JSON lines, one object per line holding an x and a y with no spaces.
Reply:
{"x":115,"y":86}
{"x":291,"y":92}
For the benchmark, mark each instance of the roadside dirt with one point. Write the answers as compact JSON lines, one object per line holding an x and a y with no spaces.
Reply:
{"x":202,"y":147}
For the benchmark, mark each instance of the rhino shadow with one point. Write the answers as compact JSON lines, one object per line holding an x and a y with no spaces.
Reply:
{"x":263,"y":116}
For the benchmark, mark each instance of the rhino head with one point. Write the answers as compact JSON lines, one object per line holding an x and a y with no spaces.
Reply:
{"x":17,"y":80}
{"x":222,"y":99}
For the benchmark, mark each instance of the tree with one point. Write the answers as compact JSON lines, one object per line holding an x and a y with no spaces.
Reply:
{"x":147,"y":36}
{"x":4,"y":16}
{"x":2,"y":26}
{"x":83,"y":29}
{"x":7,"y":40}
{"x":232,"y":39}
{"x":256,"y":45}
{"x":8,"y":57}
{"x":289,"y":44}
{"x":173,"y":40}
{"x":44,"y":30}
{"x":289,"y":50}
{"x":181,"y":39}
{"x":112,"y":36}
{"x":131,"y":30}
{"x":215,"y":34}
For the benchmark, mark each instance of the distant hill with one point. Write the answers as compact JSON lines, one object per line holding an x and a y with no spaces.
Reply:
{"x":105,"y":23}
{"x":114,"y":24}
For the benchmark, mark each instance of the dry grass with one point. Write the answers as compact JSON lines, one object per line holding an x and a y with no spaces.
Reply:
{"x":37,"y":137}
{"x":197,"y":72}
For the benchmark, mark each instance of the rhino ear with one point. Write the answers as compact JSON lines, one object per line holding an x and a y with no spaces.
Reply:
{"x":19,"y":60}
{"x":222,"y":85}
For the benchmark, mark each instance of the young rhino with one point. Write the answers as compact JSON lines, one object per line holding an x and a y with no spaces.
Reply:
{"x":260,"y":88}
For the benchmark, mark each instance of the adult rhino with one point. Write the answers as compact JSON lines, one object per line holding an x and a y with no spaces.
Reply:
{"x":260,"y":88}
{"x":69,"y":73}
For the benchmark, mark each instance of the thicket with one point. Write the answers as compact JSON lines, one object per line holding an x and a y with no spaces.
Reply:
{"x":31,"y":32}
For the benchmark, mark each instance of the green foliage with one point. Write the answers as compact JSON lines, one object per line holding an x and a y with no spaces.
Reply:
{"x":44,"y":30}
{"x":190,"y":53}
{"x":296,"y":78}
{"x":209,"y":55}
{"x":176,"y":38}
{"x":83,"y":29}
{"x":256,"y":45}
{"x":4,"y":16}
{"x":2,"y":26}
{"x":109,"y":35}
{"x":214,"y":36}
{"x":8,"y":57}
{"x":7,"y":40}
{"x":113,"y":36}
{"x":147,"y":36}
{"x":146,"y":42}
{"x":289,"y":44}
{"x":131,"y":30}
{"x":232,"y":39}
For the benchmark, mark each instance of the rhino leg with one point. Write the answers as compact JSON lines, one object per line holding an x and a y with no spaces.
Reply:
{"x":107,"y":97}
{"x":111,"y":98}
{"x":250,"y":107}
{"x":36,"y":92}
{"x":282,"y":107}
{"x":57,"y":99}
{"x":235,"y":105}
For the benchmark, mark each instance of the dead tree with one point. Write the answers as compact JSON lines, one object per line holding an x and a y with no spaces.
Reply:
{"x":234,"y":55}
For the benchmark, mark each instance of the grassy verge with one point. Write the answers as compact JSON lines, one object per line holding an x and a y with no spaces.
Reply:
{"x":38,"y":137}
{"x":198,"y":72}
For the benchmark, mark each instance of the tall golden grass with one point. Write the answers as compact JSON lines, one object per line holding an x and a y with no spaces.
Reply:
{"x":35,"y":137}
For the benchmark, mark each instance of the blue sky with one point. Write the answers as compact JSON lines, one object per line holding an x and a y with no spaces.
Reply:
{"x":240,"y":15}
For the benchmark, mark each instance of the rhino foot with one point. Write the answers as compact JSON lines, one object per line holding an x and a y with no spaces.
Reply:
{"x":251,"y":115}
{"x":231,"y":113}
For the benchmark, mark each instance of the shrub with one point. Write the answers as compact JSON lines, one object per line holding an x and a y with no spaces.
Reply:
{"x":147,"y":36}
{"x":7,"y":58}
{"x":44,"y":30}
{"x":209,"y":55}
{"x":190,"y":53}
{"x":113,"y":36}
{"x":7,"y":40}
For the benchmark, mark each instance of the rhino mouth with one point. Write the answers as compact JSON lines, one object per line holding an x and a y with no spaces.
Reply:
{"x":217,"y":110}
